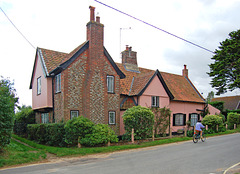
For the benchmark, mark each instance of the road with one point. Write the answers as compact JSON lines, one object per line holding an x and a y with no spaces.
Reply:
{"x":213,"y":156}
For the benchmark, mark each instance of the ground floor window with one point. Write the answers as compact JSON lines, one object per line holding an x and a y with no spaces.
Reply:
{"x":111,"y":117}
{"x":45,"y":117}
{"x":73,"y":114}
{"x":193,"y":119}
{"x":179,"y":119}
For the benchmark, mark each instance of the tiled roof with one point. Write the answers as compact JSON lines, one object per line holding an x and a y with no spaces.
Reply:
{"x":53,"y":59}
{"x":134,"y":83}
{"x":231,"y":102}
{"x":180,"y":87}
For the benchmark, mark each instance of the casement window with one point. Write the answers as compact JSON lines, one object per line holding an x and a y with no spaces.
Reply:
{"x":155,"y":101}
{"x":110,"y":84}
{"x":111,"y":117}
{"x":73,"y":114}
{"x":179,"y":119}
{"x":39,"y":86}
{"x":193,"y":118}
{"x":58,"y":83}
{"x":45,"y":117}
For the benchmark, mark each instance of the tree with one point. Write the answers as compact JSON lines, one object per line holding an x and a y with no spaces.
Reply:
{"x":162,"y":119}
{"x":23,"y":117}
{"x":8,"y":101}
{"x":210,"y":96}
{"x":225,"y":71}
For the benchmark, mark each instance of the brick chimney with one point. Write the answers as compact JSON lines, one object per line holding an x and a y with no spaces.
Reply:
{"x":95,"y":37}
{"x":129,"y":59}
{"x":185,"y":71}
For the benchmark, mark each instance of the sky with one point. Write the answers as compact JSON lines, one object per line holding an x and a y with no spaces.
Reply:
{"x":61,"y":26}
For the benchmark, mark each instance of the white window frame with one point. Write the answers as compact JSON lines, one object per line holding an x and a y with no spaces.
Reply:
{"x":45,"y":117}
{"x":74,"y":113}
{"x":179,"y":120}
{"x":110,"y":84}
{"x":111,"y":117}
{"x":193,"y":119}
{"x":155,"y":101}
{"x":58,"y":83}
{"x":39,"y":86}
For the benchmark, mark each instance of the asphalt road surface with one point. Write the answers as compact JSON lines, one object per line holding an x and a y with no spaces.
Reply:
{"x":210,"y":157}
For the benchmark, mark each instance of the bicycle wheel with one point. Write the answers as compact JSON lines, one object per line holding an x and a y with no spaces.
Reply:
{"x":195,"y":139}
{"x":203,"y":137}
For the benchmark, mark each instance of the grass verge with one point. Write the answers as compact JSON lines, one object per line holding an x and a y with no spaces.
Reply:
{"x":17,"y":153}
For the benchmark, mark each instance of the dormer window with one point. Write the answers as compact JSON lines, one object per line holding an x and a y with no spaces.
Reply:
{"x":110,"y":84}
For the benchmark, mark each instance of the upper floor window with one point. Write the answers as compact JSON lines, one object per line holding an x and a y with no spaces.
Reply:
{"x":58,"y":83}
{"x":179,"y":119}
{"x":110,"y":84}
{"x":111,"y":117}
{"x":74,"y":114}
{"x":38,"y":85}
{"x":45,"y":117}
{"x":155,"y":101}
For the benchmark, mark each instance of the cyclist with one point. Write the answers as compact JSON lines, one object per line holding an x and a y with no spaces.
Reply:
{"x":199,"y":127}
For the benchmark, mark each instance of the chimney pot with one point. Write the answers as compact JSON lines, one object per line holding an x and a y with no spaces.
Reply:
{"x":127,"y":48}
{"x":98,"y":19}
{"x":92,"y":15}
{"x":185,"y":71}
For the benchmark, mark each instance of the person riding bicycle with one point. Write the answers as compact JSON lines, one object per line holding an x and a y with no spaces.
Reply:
{"x":199,"y":127}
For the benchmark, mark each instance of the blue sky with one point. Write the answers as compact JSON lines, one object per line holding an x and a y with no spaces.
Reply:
{"x":61,"y":26}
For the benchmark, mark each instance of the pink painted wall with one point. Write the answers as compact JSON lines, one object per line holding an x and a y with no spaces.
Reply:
{"x":155,"y":88}
{"x":184,"y":108}
{"x":43,"y":100}
{"x":213,"y":110}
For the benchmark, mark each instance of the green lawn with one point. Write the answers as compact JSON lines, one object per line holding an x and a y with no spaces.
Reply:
{"x":17,"y":153}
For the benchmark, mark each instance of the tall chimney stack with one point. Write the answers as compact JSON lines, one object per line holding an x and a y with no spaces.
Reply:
{"x":92,"y":13}
{"x":185,"y":71}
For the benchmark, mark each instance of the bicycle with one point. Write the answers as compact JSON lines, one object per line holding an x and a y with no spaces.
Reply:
{"x":197,"y":136}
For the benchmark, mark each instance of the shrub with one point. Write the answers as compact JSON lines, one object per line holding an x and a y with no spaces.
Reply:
{"x":233,"y":118}
{"x":100,"y":135}
{"x":141,"y":119}
{"x":77,"y":127}
{"x":55,"y":134}
{"x":49,"y":134}
{"x":212,"y":121}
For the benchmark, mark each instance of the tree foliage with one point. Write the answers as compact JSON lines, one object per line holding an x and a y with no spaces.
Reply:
{"x":23,"y":117}
{"x":225,"y":71}
{"x":210,"y":96}
{"x":141,"y":119}
{"x":212,"y":121}
{"x":218,"y":104}
{"x":8,"y":100}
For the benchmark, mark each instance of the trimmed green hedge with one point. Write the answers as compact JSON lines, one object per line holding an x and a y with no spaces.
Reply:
{"x":49,"y":134}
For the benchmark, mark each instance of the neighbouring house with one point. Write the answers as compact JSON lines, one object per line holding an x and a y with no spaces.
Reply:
{"x":230,"y":102}
{"x":88,"y":82}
